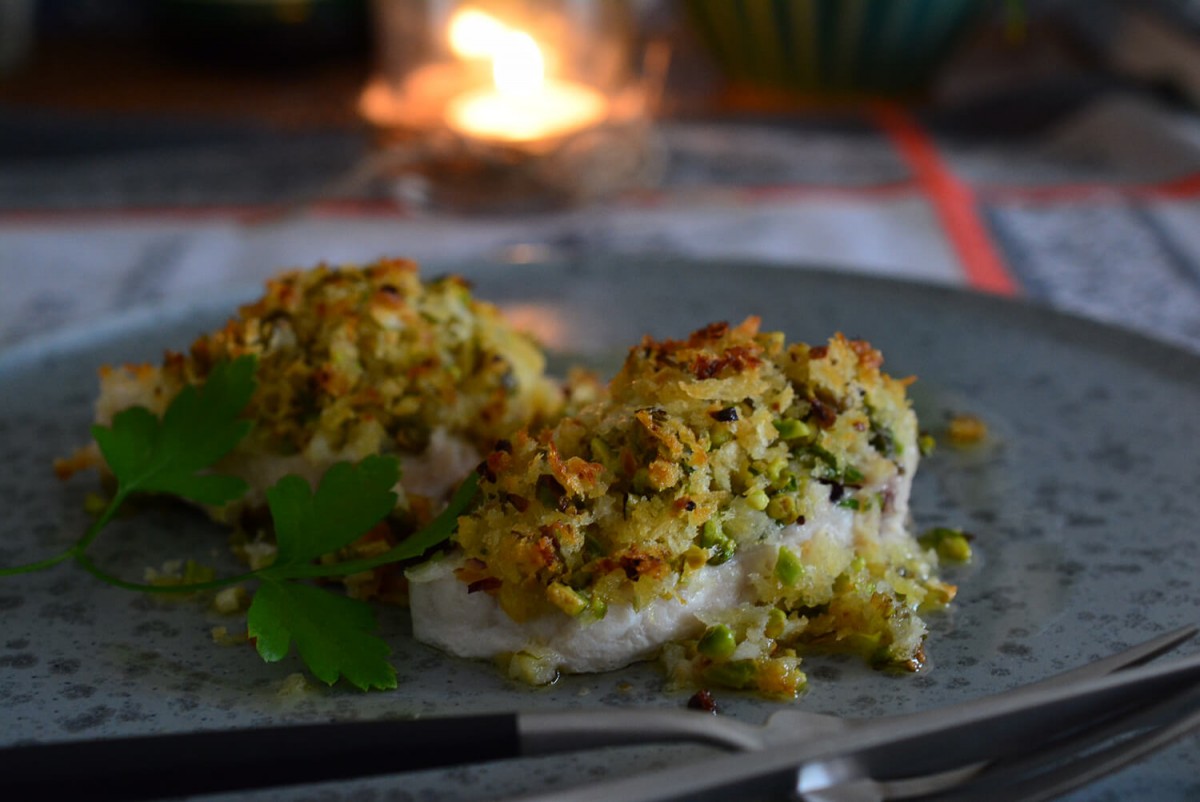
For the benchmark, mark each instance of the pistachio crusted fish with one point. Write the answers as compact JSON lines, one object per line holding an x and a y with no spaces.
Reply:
{"x":733,"y":501}
{"x":730,"y":502}
{"x":354,"y":362}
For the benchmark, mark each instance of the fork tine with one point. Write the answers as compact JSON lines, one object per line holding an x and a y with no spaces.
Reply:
{"x":1066,"y":735}
{"x":1160,"y":725}
{"x":1137,"y":655}
{"x":912,"y":745}
{"x":1005,"y":724}
{"x":1068,"y":765}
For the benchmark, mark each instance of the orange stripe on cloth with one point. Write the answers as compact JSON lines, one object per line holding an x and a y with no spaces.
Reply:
{"x":1182,"y":188}
{"x":953,"y":201}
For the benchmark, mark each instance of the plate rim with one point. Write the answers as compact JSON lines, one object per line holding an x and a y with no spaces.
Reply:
{"x":1156,"y":352}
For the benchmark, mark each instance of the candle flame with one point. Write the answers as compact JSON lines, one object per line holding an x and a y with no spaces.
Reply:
{"x":517,"y":65}
{"x":474,"y":33}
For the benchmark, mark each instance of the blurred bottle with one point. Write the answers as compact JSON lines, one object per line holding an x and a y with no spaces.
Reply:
{"x":16,"y":34}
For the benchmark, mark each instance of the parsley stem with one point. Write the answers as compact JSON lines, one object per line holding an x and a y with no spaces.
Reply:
{"x":29,"y":568}
{"x":78,"y":547}
{"x":93,"y":531}
{"x":86,"y":564}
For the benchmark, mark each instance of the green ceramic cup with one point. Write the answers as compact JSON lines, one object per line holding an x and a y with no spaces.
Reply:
{"x":834,"y":47}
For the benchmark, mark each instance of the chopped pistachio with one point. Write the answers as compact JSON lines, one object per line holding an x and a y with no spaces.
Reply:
{"x":784,"y":509}
{"x":738,"y":674}
{"x":884,"y":440}
{"x":758,"y":500}
{"x":721,"y":547}
{"x":531,"y":669}
{"x":788,"y":567}
{"x":718,"y":642}
{"x":792,"y":429}
{"x":953,"y":545}
{"x":782,"y":478}
{"x":926,"y":444}
{"x":776,"y":623}
{"x":775,"y":468}
{"x":824,"y":455}
{"x":597,"y":608}
{"x":567,"y":599}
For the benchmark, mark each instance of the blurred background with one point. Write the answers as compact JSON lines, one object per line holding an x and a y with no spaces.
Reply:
{"x":1046,"y":148}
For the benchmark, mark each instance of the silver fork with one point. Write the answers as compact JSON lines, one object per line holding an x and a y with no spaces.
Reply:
{"x":834,"y":760}
{"x":1068,"y":765}
{"x":569,"y":731}
{"x":838,"y":759}
{"x":1049,"y":771}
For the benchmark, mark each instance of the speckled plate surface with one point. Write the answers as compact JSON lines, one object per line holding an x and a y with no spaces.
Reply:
{"x":1084,"y":503}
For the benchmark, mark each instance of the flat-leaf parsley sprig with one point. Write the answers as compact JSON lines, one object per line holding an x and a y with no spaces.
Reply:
{"x":333,"y":634}
{"x":148,"y":455}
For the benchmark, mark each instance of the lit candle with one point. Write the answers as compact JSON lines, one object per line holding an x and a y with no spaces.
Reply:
{"x":523,"y":105}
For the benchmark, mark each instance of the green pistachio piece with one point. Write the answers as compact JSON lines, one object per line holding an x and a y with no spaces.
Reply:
{"x":721,"y":547}
{"x":776,"y":623}
{"x":788,"y":567}
{"x":718,"y":642}
{"x":952,"y":545}
{"x":784,"y":509}
{"x":792,"y":429}
{"x":758,"y":499}
{"x":738,"y":674}
{"x":567,"y":599}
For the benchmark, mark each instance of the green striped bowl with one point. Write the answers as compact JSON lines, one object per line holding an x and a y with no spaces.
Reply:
{"x":834,"y":46}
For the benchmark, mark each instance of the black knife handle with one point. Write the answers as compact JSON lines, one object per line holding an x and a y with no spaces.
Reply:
{"x":163,"y":766}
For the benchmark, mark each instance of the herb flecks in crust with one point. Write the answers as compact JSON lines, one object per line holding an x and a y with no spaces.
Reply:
{"x":790,"y":465}
{"x":351,"y":363}
{"x":360,"y":361}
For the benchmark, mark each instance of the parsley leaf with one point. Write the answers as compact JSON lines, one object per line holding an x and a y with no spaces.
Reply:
{"x":433,"y":534}
{"x":333,"y":633}
{"x":201,"y":425}
{"x":349,"y":501}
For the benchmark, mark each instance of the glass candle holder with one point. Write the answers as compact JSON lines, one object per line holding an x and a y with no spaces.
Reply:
{"x":486,"y":105}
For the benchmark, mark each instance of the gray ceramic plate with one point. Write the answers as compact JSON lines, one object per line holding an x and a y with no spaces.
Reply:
{"x":1084,"y":503}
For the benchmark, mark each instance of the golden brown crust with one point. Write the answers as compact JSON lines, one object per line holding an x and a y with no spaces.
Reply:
{"x":340,"y":348}
{"x":704,"y":447}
